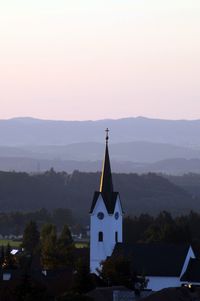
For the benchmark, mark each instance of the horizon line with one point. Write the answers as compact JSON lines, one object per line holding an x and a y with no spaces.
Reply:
{"x":95,"y":120}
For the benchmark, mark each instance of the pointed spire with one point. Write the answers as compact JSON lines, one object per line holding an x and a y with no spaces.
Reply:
{"x":106,"y":185}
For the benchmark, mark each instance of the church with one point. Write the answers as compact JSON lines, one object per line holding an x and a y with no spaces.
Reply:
{"x":163,"y":265}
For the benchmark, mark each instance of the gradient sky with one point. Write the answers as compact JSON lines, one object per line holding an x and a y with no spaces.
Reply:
{"x":94,"y":59}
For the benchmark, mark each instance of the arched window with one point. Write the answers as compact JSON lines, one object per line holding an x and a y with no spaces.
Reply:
{"x":116,"y":236}
{"x":100,"y":236}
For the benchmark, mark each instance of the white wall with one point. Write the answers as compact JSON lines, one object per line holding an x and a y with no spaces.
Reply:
{"x":189,"y":255}
{"x":158,"y":283}
{"x":99,"y":251}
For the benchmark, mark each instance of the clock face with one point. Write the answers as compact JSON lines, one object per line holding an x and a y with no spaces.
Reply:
{"x":116,"y":215}
{"x":100,"y":215}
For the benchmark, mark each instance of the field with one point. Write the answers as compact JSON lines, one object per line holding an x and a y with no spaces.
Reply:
{"x":13,"y":244}
{"x":16,"y":244}
{"x":81,"y":245}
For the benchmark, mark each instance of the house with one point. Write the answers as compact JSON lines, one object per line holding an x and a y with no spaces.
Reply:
{"x":115,"y":293}
{"x":164,"y":265}
{"x":175,"y":294}
{"x":192,"y":273}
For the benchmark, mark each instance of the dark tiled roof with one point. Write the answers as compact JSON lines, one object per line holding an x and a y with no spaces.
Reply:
{"x":174,"y":294}
{"x":109,"y":200}
{"x":154,"y":259}
{"x":192,"y":274}
{"x":105,"y":293}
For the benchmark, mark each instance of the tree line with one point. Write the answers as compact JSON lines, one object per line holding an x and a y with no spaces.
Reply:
{"x":15,"y":222}
{"x":43,"y":250}
{"x":148,"y":193}
{"x":54,"y":250}
{"x":163,"y":228}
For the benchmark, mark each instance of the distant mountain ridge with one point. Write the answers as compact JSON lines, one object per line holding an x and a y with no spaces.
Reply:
{"x":30,"y":131}
{"x":171,"y":167}
{"x":136,"y":145}
{"x":137,"y":151}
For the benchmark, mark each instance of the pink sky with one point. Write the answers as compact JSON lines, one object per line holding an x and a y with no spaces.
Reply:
{"x":95,"y":59}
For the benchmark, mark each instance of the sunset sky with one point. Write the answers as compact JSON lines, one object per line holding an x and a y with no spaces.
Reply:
{"x":94,"y":59}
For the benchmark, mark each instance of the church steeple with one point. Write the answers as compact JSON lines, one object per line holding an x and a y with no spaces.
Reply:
{"x":106,"y":184}
{"x":106,"y":191}
{"x":106,"y":216}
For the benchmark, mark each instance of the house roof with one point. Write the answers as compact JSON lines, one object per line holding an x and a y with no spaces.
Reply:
{"x":55,"y":282}
{"x":105,"y":293}
{"x":154,"y":259}
{"x":173,"y":294}
{"x":192,"y":274}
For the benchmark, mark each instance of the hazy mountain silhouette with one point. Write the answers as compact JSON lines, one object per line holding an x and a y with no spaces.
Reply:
{"x":170,"y":166}
{"x":136,"y":145}
{"x":30,"y":131}
{"x":138,"y":151}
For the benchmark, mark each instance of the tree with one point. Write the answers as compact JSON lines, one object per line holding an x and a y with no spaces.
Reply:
{"x":31,"y":237}
{"x":30,"y":290}
{"x":65,"y":247}
{"x":49,"y":246}
{"x":2,"y":255}
{"x":116,"y":271}
{"x":61,"y":216}
{"x":47,"y":229}
{"x":82,"y":281}
{"x":56,"y":252}
{"x":65,"y":239}
{"x":9,"y":261}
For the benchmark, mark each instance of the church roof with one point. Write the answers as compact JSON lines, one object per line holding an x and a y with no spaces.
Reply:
{"x":192,"y":274}
{"x":109,"y":201}
{"x":154,"y":259}
{"x":106,"y":184}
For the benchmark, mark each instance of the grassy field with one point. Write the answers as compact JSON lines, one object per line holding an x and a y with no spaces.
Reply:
{"x":13,"y":244}
{"x":81,"y":244}
{"x":16,"y":244}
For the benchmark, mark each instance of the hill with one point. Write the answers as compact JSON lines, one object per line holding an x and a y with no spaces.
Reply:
{"x":30,"y":131}
{"x":189,"y":182}
{"x":138,"y":156}
{"x":140,"y":194}
{"x":178,"y":166}
{"x":137,"y":145}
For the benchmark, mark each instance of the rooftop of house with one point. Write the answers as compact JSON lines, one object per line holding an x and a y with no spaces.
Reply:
{"x":174,"y":294}
{"x":192,"y":274}
{"x":105,"y":293}
{"x":154,"y":259}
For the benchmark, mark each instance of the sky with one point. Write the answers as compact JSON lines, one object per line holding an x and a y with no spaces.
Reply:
{"x":97,"y":59}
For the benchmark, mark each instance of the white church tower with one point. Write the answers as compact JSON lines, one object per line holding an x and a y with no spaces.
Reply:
{"x":105,"y":217}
